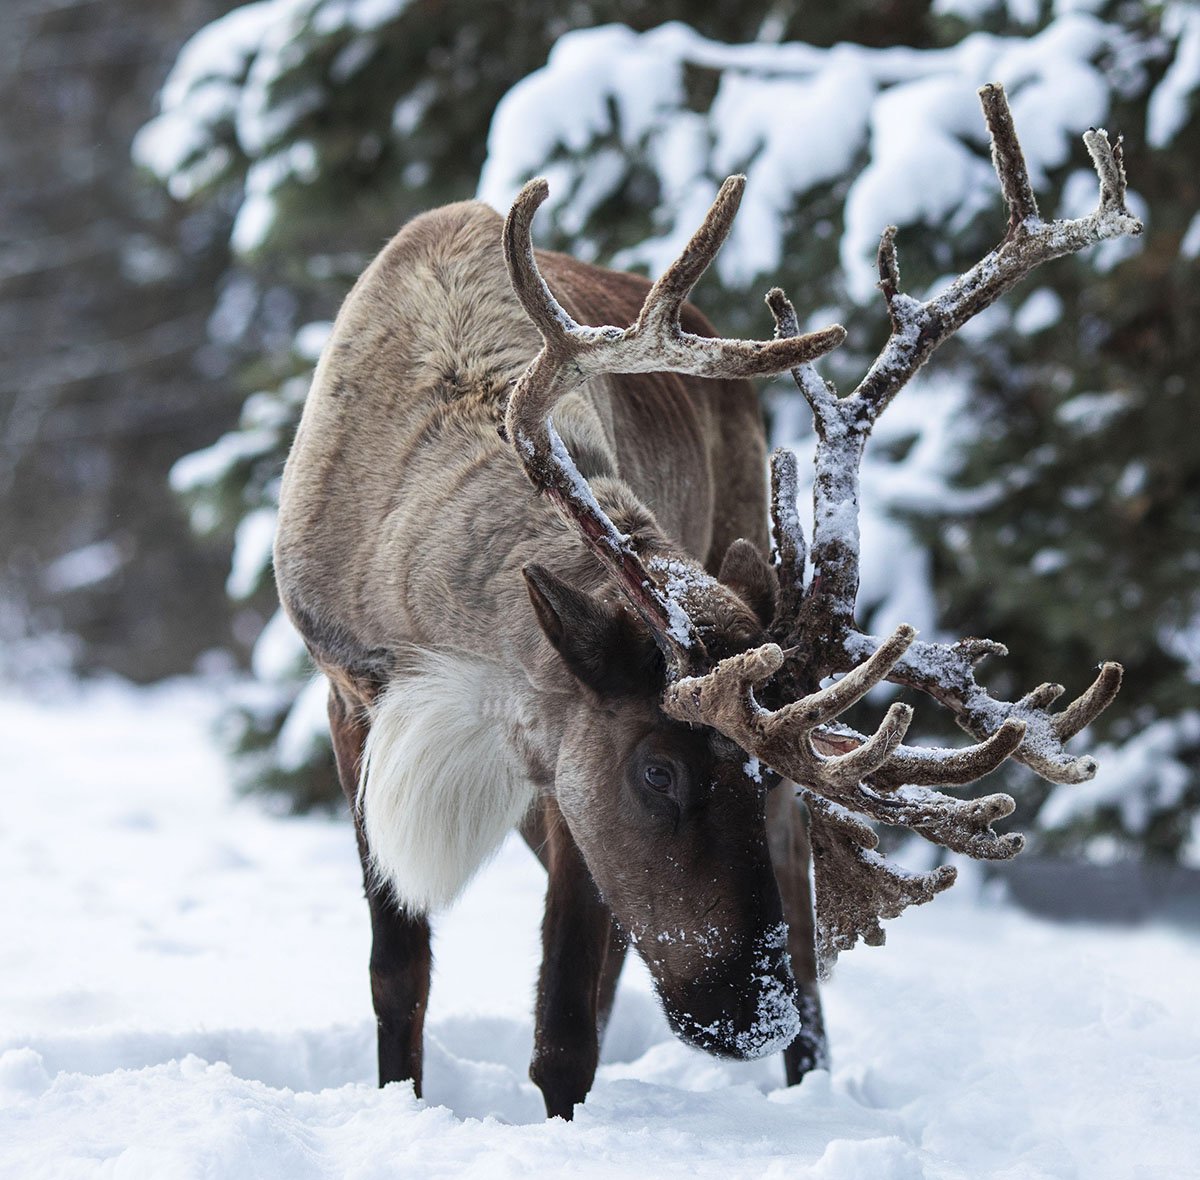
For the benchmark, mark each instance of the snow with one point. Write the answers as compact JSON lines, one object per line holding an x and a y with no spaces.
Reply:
{"x":185,"y":994}
{"x":240,"y":77}
{"x":1048,"y":561}
{"x":200,"y":94}
{"x":1182,"y":640}
{"x":252,"y":542}
{"x":311,"y":339}
{"x":305,"y":732}
{"x":410,"y":110}
{"x":279,"y":651}
{"x":1086,"y":413}
{"x":781,"y":155}
{"x":611,"y":103}
{"x":1189,"y":247}
{"x":1041,"y":310}
{"x":917,"y":134}
{"x":1171,"y":100}
{"x":234,"y":310}
{"x":1141,"y":779}
{"x":256,"y":214}
{"x":1132,"y":480}
{"x":363,"y":15}
{"x":86,"y":566}
{"x":207,"y":467}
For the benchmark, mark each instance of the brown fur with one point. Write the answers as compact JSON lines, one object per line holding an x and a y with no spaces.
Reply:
{"x":400,"y":430}
{"x":405,"y":527}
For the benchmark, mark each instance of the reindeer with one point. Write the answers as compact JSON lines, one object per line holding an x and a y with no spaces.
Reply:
{"x":529,"y":551}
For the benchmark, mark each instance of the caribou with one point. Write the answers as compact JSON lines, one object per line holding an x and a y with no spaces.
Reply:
{"x":537,"y":557}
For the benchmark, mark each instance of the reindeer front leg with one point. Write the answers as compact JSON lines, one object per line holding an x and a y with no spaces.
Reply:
{"x":577,"y":930}
{"x":400,"y":942}
{"x":787,"y":835}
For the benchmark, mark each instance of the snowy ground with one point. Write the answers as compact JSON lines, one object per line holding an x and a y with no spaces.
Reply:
{"x":183,"y":994}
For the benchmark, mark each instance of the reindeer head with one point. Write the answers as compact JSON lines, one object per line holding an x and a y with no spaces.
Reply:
{"x":668,"y":815}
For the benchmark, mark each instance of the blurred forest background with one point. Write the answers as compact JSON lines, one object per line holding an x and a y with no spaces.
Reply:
{"x":192,"y":186}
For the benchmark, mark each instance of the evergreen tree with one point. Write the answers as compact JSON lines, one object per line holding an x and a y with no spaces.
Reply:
{"x":1038,"y":485}
{"x":105,"y":374}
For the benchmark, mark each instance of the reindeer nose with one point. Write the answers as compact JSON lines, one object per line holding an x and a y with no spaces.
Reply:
{"x":744,"y":1010}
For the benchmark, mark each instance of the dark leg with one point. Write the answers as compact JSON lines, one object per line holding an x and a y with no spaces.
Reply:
{"x":400,"y":967}
{"x":787,"y":829}
{"x":576,"y":932}
{"x":400,"y":954}
{"x":614,"y":960}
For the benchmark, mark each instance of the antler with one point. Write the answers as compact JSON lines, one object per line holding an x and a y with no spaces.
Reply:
{"x":839,"y":770}
{"x":656,"y":342}
{"x":858,"y":773}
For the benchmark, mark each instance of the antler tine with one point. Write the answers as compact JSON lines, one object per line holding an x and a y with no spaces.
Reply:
{"x":530,"y":288}
{"x":962,"y":825}
{"x":875,"y":752}
{"x":816,"y":392}
{"x":946,"y":672}
{"x":1109,"y":161}
{"x":1082,"y":711}
{"x":925,"y":766}
{"x":834,"y":553}
{"x":791,"y":550}
{"x":659,"y":326}
{"x":726,"y":692}
{"x":855,"y":886}
{"x":666,"y":298}
{"x":1040,"y":698}
{"x":888,"y":265}
{"x":1007,"y":157}
{"x":821,"y":707}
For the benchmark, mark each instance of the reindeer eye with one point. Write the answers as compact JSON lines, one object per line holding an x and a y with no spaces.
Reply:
{"x":659,"y":777}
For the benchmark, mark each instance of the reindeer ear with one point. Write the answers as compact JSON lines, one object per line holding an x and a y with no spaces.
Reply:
{"x":746,"y":572}
{"x":598,"y":641}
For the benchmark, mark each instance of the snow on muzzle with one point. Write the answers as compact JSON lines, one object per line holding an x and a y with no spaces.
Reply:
{"x":741,"y":1006}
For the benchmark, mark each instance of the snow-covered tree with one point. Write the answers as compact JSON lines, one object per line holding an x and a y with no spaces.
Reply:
{"x":1037,"y":485}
